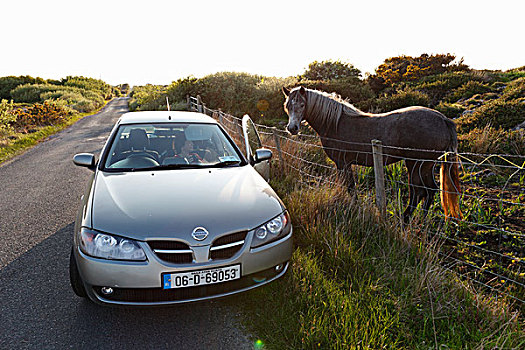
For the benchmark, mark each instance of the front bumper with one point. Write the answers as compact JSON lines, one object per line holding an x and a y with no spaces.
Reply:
{"x":140,"y":283}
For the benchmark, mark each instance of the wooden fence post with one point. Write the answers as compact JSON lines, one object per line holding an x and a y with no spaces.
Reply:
{"x":220,"y":117}
{"x":278,"y":146}
{"x":199,"y":104}
{"x":188,"y":105}
{"x":377,"y":150}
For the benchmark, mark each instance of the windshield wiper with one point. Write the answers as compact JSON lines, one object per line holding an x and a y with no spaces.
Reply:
{"x":226,"y":163}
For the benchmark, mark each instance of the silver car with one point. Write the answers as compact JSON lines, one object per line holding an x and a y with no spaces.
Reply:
{"x":175,"y":212}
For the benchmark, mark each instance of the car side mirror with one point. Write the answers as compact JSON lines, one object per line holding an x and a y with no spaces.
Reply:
{"x":262,"y":154}
{"x":86,"y":160}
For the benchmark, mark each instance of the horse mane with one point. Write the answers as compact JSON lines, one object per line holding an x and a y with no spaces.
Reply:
{"x":326,"y":109}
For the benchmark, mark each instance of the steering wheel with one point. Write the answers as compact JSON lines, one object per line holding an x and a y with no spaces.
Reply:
{"x":142,"y":155}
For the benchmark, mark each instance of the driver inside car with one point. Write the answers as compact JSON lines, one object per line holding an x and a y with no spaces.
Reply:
{"x":187,"y":152}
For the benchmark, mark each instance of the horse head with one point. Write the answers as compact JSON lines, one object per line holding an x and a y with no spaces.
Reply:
{"x":295,"y":107}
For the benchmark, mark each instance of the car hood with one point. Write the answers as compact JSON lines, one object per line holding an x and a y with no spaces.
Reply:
{"x":172,"y":203}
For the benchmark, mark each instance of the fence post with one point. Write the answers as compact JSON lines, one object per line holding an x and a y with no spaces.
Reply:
{"x":278,"y":146}
{"x":220,"y":117}
{"x":188,"y":105}
{"x":199,"y":104}
{"x":377,"y":150}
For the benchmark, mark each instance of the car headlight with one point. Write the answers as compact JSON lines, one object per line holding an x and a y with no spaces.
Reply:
{"x":272,"y":230}
{"x":103,"y":245}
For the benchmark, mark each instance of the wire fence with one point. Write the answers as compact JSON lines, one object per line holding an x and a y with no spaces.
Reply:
{"x":486,"y":246}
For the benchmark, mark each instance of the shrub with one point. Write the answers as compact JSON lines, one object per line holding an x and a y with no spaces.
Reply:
{"x":47,"y":113}
{"x":438,"y":87}
{"x":103,"y":89}
{"x":9,"y":83}
{"x":496,"y":113}
{"x":468,"y":90}
{"x":7,"y":118}
{"x":491,"y":140}
{"x":330,"y":70}
{"x":76,"y":98}
{"x":406,"y":68}
{"x":515,"y":89}
{"x":352,"y":89}
{"x":399,"y":100}
{"x":451,"y":110}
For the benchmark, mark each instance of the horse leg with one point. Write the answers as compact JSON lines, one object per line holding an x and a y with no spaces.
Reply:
{"x":349,"y":178}
{"x":416,"y":190}
{"x":347,"y":175}
{"x":429,"y":182}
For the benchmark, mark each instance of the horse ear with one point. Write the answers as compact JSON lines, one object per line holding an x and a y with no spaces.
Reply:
{"x":302,"y":91}
{"x":286,"y":92}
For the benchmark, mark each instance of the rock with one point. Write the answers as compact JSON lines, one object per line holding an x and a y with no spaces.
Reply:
{"x":520,"y":126}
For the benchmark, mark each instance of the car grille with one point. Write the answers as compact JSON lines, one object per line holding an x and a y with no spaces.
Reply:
{"x":146,"y":295}
{"x":172,"y":251}
{"x":227,"y":246}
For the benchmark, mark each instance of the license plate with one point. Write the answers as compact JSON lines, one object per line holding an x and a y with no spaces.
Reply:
{"x":201,"y":277}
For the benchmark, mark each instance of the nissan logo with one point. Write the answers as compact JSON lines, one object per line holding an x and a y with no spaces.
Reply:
{"x":199,"y":233}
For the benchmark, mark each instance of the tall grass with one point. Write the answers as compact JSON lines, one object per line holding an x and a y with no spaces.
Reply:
{"x":357,"y":281}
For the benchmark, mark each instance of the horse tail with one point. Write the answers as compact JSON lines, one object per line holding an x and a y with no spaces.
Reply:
{"x":449,"y":180}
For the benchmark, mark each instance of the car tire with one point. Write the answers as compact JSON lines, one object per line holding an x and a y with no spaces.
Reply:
{"x":74,"y":277}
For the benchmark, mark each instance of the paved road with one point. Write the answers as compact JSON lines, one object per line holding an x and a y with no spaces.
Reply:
{"x":39,"y":194}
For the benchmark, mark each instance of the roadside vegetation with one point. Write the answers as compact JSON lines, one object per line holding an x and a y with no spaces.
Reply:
{"x":33,"y":108}
{"x":358,"y":282}
{"x":355,"y":280}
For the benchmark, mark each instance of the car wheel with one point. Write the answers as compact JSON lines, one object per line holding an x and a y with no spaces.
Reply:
{"x":74,"y":277}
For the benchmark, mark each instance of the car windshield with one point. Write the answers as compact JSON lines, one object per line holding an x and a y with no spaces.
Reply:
{"x":170,"y":146}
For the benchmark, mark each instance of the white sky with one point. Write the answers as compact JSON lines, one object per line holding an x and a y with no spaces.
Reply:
{"x":158,"y":41}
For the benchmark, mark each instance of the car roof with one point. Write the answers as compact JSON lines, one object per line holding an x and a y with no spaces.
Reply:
{"x":165,"y":117}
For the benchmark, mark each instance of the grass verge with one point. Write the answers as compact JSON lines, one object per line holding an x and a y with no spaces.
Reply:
{"x":358,"y":282}
{"x":20,"y":142}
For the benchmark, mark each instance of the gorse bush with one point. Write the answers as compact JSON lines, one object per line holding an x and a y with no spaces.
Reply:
{"x":47,"y":113}
{"x":399,"y":69}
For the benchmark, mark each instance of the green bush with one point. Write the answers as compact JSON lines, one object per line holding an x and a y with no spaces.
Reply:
{"x":235,"y":93}
{"x":491,"y":140}
{"x":400,"y":100}
{"x":330,"y":70}
{"x":437,"y":87}
{"x":77,"y":98}
{"x":90,"y":84}
{"x":496,"y":113}
{"x":7,"y":118}
{"x":352,"y":89}
{"x":468,"y":90}
{"x":9,"y":83}
{"x":148,"y":97}
{"x":515,"y":89}
{"x":451,"y":110}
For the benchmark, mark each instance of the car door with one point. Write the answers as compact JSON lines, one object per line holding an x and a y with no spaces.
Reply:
{"x":253,"y":143}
